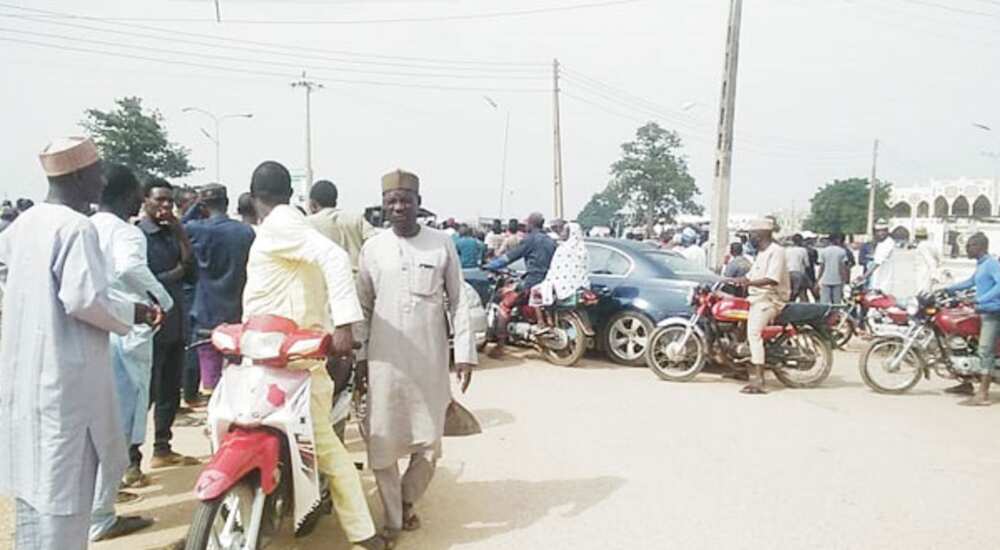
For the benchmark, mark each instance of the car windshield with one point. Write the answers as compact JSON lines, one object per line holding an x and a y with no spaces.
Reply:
{"x":680,"y":266}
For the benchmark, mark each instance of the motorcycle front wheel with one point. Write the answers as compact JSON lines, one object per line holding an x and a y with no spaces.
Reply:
{"x":813,"y":343}
{"x":670,"y":359}
{"x":881,"y":370}
{"x":843,"y":330}
{"x":576,"y":337}
{"x":231,"y":521}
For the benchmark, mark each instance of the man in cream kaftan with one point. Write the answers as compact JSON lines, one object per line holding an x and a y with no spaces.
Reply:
{"x":407,"y":285}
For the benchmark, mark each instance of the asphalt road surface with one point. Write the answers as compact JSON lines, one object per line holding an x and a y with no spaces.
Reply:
{"x":609,"y":457}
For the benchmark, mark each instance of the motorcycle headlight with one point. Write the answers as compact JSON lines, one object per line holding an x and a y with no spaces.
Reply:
{"x":912,"y":309}
{"x":261,"y":345}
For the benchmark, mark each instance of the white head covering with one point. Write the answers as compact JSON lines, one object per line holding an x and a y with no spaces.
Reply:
{"x":881,"y":224}
{"x":568,"y":270}
{"x":761,"y":224}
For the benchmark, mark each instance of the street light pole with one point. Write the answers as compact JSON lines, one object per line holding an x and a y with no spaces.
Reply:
{"x":217,"y":137}
{"x":503,"y":164}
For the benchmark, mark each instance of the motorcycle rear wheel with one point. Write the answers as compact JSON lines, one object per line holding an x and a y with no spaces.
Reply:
{"x":577,"y":346}
{"x":873,"y":364}
{"x":658,"y":358}
{"x":818,"y":372}
{"x":220,"y":523}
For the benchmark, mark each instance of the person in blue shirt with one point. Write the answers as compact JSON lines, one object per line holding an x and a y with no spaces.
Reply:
{"x":986,"y":281}
{"x":221,"y":247}
{"x":471,"y":250}
{"x":537,"y":249}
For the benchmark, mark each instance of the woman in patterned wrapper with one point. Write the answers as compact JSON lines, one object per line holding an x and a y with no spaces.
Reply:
{"x":567,"y":272}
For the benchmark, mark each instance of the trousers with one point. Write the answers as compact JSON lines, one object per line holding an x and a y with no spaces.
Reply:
{"x":210,"y":364}
{"x":989,"y":333}
{"x":395,"y":490}
{"x":37,"y":531}
{"x":345,"y":484}
{"x":831,"y":294}
{"x":761,"y":315}
{"x":165,"y":390}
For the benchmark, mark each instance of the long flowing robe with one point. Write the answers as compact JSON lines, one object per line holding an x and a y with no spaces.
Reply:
{"x":56,"y":385}
{"x":406,"y":286}
{"x":124,"y":248}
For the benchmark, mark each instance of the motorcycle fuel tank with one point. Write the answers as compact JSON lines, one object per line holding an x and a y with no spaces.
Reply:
{"x":731,"y":308}
{"x":959,"y":321}
{"x":878,"y":301}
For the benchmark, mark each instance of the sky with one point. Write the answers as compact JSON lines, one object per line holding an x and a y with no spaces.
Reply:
{"x":406,"y":85}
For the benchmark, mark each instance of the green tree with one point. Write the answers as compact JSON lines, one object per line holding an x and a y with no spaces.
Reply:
{"x":136,"y":138}
{"x":600,"y":210}
{"x":650,"y":181}
{"x":842,"y":206}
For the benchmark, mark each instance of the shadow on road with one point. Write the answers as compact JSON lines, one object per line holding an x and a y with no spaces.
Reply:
{"x":462,"y":512}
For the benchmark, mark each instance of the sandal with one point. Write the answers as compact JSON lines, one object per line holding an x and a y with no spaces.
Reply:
{"x":411,"y":522}
{"x":751,"y":389}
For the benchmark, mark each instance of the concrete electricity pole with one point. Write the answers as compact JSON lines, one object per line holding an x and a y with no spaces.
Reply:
{"x":872,"y":188}
{"x":557,"y":143}
{"x":309,"y":87}
{"x":719,"y":231}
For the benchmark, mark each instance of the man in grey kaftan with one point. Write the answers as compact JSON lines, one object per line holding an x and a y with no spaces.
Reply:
{"x":408,"y":277}
{"x":58,"y":410}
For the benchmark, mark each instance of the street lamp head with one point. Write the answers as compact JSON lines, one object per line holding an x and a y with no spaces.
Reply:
{"x":982,"y":126}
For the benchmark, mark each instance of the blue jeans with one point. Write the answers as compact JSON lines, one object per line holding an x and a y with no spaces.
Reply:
{"x":989,"y":332}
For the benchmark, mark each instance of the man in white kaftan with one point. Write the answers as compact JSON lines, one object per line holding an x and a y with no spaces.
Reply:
{"x":58,"y":409}
{"x":883,"y":267}
{"x":123,"y":246}
{"x":409,"y":282}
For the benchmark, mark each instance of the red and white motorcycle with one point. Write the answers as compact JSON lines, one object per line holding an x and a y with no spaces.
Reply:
{"x":264,"y":466}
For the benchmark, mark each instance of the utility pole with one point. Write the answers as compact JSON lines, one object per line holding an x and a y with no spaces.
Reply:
{"x":557,"y":143}
{"x":309,"y":87}
{"x":872,"y":188}
{"x":719,"y":231}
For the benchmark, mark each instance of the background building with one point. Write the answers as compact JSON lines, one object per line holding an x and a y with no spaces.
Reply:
{"x":948,"y":210}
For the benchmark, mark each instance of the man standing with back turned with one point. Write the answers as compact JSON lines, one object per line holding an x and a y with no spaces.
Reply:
{"x":348,"y":230}
{"x":406,"y":277}
{"x":296,"y":273}
{"x":58,"y":411}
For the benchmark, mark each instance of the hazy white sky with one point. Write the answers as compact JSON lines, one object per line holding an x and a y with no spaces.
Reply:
{"x":819,"y":80}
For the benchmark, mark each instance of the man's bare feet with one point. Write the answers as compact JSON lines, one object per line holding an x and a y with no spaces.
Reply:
{"x":496,"y":352}
{"x":976,"y":401}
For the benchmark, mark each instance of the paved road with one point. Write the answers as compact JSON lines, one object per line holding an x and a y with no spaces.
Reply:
{"x":609,"y":457}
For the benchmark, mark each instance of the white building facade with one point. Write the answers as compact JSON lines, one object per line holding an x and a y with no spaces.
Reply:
{"x":948,"y":211}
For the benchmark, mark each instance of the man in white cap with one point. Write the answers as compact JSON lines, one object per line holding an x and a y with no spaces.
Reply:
{"x":882,"y":268}
{"x":59,"y":420}
{"x":768,"y":289}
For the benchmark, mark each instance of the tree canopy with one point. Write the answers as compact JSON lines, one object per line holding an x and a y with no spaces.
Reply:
{"x":842,"y":206}
{"x":650,"y":182}
{"x":131,"y":136}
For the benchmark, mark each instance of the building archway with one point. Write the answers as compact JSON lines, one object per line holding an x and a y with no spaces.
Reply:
{"x":940,"y":207}
{"x":960,"y":208}
{"x":901,"y":234}
{"x":923,"y":209}
{"x":901,"y":210}
{"x":982,"y":207}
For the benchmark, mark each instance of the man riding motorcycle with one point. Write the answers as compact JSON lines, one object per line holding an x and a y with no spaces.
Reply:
{"x":768,"y":288}
{"x":537,"y":249}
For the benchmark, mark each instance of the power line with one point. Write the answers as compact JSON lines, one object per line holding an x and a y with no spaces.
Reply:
{"x":283,"y":76}
{"x":288,"y":54}
{"x":202,"y":55}
{"x":172,"y":34}
{"x":424,"y":19}
{"x":953,"y":8}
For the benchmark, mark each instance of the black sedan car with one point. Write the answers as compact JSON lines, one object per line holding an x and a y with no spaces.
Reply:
{"x":644,"y":286}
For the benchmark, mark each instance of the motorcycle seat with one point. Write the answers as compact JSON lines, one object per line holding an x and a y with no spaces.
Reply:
{"x":802,"y":313}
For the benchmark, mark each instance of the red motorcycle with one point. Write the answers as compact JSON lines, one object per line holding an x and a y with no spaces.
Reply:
{"x":263,"y":467}
{"x":878,"y":313}
{"x":797,"y":343}
{"x":943,"y":336}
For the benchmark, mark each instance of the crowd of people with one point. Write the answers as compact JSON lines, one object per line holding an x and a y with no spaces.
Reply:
{"x":109,"y":280}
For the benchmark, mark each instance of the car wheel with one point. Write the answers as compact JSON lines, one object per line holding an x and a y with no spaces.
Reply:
{"x":626,"y":337}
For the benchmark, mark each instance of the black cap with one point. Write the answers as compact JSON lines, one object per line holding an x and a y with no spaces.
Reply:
{"x":212,"y":191}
